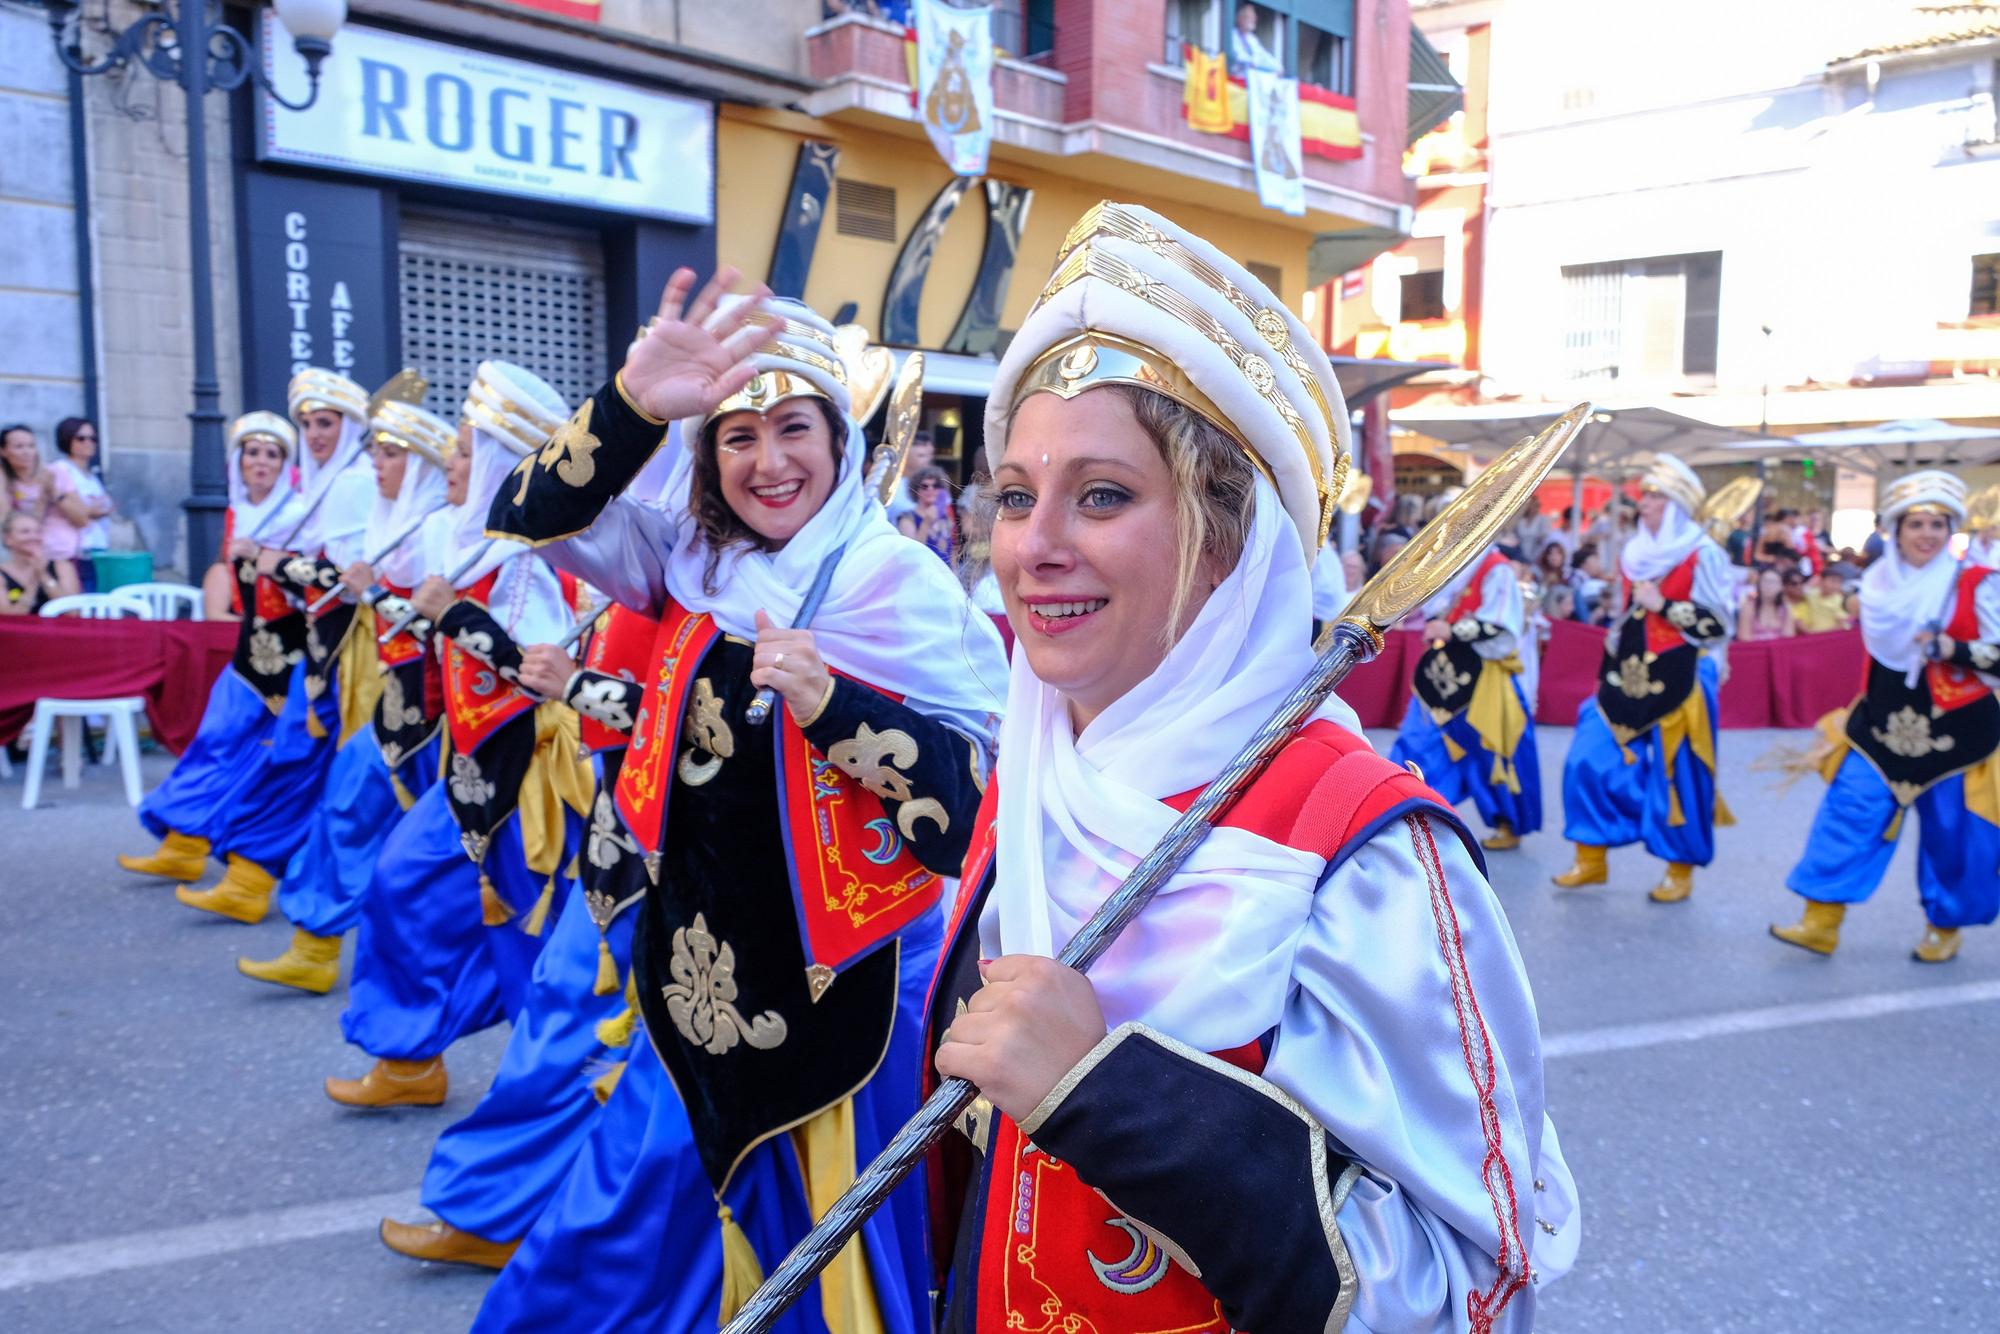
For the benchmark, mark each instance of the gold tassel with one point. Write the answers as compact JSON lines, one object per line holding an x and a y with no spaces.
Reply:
{"x":607,"y":970}
{"x":741,"y":1274}
{"x":602,"y":1087}
{"x":575,"y":867}
{"x":1895,"y":826}
{"x":617,"y":1030}
{"x":493,"y":909}
{"x":314,"y":727}
{"x":538,"y":917}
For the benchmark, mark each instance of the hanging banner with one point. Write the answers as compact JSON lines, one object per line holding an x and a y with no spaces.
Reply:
{"x":1205,"y":91}
{"x":955,"y":82}
{"x":1274,"y":142}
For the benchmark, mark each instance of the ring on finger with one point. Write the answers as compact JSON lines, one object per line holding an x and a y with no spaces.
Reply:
{"x":779,"y":662}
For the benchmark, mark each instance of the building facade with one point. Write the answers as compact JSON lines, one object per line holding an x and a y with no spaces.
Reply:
{"x":482,"y":178}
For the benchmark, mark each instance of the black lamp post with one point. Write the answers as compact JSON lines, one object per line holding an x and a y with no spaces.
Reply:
{"x":187,"y":43}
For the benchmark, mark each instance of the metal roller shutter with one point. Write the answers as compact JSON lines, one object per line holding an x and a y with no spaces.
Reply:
{"x":477,"y":287}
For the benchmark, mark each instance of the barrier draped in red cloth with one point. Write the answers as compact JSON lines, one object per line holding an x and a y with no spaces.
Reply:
{"x":172,"y":663}
{"x":1774,"y":683}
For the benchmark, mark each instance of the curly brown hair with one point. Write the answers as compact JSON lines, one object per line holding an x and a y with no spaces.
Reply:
{"x":721,"y":527}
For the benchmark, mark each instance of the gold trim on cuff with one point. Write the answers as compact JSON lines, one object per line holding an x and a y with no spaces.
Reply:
{"x":819,"y":708}
{"x":618,"y":380}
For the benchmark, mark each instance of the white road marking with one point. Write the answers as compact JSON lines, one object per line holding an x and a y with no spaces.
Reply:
{"x":221,"y":1236}
{"x":271,"y":1227}
{"x":1730,"y":1023}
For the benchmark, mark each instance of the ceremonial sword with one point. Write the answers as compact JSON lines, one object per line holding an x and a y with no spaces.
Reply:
{"x":473,"y":558}
{"x":905,"y":406}
{"x":376,"y":592}
{"x":1461,"y":531}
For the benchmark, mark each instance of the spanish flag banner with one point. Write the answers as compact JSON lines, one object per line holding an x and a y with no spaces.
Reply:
{"x":1205,"y":96}
{"x":1328,"y":125}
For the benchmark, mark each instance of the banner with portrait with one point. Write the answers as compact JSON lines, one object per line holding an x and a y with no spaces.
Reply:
{"x":955,"y":82}
{"x":1274,"y":142}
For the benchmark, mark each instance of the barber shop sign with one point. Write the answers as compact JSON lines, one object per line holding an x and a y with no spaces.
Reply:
{"x":419,"y":110}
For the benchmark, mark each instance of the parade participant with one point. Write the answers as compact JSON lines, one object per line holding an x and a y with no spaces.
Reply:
{"x":244,"y":703}
{"x":1470,"y":727}
{"x":1924,"y":733}
{"x":265,"y":819}
{"x":1642,"y":764}
{"x":1982,"y":528}
{"x":791,"y":923}
{"x":1309,"y":1072}
{"x":378,"y":770}
{"x":465,"y":888}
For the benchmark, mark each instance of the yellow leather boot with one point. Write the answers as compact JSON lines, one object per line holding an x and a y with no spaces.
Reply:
{"x":243,"y":894}
{"x":1818,"y":930}
{"x":310,"y":963}
{"x":179,"y":857}
{"x":1589,"y":869}
{"x":1502,"y":839}
{"x":1676,"y":885}
{"x":443,"y":1242}
{"x":394,"y":1084}
{"x":1939,"y":945}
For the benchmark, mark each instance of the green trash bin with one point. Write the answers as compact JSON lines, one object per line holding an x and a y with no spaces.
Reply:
{"x":115,"y":569}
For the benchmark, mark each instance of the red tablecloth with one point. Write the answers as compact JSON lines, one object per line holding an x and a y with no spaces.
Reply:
{"x":172,"y":663}
{"x":1776,"y":683}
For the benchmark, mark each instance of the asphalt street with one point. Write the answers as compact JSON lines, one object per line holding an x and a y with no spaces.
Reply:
{"x":1764,"y":1140}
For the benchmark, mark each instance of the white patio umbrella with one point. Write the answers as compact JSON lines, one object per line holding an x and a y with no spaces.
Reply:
{"x":1893,"y":446}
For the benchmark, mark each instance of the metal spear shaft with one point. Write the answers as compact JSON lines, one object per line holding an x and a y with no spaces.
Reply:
{"x":473,"y":558}
{"x":376,"y":559}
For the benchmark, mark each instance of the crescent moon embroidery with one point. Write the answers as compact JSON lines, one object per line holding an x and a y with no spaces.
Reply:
{"x":1145,"y":1266}
{"x":888,"y":845}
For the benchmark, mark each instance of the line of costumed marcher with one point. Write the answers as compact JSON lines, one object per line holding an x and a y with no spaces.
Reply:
{"x":795,"y":861}
{"x":1924,"y":733}
{"x":465,"y":887}
{"x":1470,"y":726}
{"x":266,"y":820}
{"x":186,"y":811}
{"x":383,"y":763}
{"x":1642,"y":765}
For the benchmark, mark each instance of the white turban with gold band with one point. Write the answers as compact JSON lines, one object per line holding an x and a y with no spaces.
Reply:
{"x":803,"y":359}
{"x":1135,"y":299}
{"x":1931,"y":490}
{"x":513,"y":412}
{"x":338,"y":493}
{"x":316,"y":390}
{"x":1651,"y":554}
{"x":279,"y":509}
{"x":429,"y":441}
{"x":1677,"y":482}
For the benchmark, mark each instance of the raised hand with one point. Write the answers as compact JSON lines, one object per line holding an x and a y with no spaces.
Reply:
{"x":688,"y":358}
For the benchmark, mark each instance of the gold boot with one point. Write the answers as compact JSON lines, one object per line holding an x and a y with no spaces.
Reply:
{"x":1502,"y":839}
{"x":445,"y":1243}
{"x":1818,"y":930}
{"x":310,"y":963}
{"x":179,"y":857}
{"x":1939,"y":945}
{"x":1677,"y":884}
{"x":1589,"y":868}
{"x":243,"y":894}
{"x":393,"y":1084}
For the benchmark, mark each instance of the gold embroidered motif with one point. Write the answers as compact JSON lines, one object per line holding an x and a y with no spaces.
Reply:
{"x":701,"y":998}
{"x":267,"y":654}
{"x":396,"y":712}
{"x":876,"y":761}
{"x":392,"y":755}
{"x":315,"y":685}
{"x":1909,"y":734}
{"x":1466,"y":628}
{"x":604,"y":700}
{"x":600,"y":906}
{"x":1984,"y":656}
{"x":607,"y":842}
{"x":1682,"y":614}
{"x":707,"y":732}
{"x":1444,"y":678}
{"x":1634,"y":676}
{"x":569,"y":450}
{"x":468,"y":782}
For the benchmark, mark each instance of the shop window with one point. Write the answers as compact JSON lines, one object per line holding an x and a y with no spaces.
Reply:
{"x":1643,"y":320}
{"x":1423,"y":295}
{"x":864,"y":210}
{"x":1985,"y":285}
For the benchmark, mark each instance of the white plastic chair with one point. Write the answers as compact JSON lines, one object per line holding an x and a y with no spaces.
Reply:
{"x":121,"y":729}
{"x":165,"y":601}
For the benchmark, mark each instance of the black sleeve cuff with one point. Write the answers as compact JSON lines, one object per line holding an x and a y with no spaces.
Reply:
{"x":472,"y":629}
{"x":926,"y":775}
{"x":307,"y":574}
{"x":1235,"y":1180}
{"x":560,"y":490}
{"x":610,"y":700}
{"x":1694,"y":620}
{"x":1980,"y":655}
{"x":1470,"y":629}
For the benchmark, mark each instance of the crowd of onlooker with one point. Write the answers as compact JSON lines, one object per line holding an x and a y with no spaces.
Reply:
{"x":54,"y":514}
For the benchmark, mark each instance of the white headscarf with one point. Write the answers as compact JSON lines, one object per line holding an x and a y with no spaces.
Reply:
{"x":1899,"y":601}
{"x":340,"y":493}
{"x":273,"y":515}
{"x":421,"y":492}
{"x":1077,"y":813}
{"x":1649,"y":555}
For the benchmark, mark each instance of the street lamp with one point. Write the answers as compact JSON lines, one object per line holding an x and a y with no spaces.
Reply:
{"x":162,"y":43}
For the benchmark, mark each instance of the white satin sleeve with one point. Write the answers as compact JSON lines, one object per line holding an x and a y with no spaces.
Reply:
{"x":1986,"y":600}
{"x":527,"y":600}
{"x":1715,"y":590}
{"x":1411,"y":1035}
{"x":344,"y":522}
{"x":1500,"y":606}
{"x":624,"y":553}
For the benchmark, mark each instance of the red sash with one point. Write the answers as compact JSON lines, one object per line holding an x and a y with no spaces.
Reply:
{"x":1470,"y":598}
{"x":477,"y":701}
{"x":1952,"y":686}
{"x":854,"y":884}
{"x":620,"y":646}
{"x":271,"y":603}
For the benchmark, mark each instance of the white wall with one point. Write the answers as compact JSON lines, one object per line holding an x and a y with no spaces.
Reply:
{"x":1621,"y":131}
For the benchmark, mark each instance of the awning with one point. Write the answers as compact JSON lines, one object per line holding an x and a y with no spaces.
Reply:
{"x":1335,"y":253}
{"x":1361,"y":378}
{"x":1616,"y":437}
{"x":1434,"y":95}
{"x":955,"y":373}
{"x":1893,"y":446}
